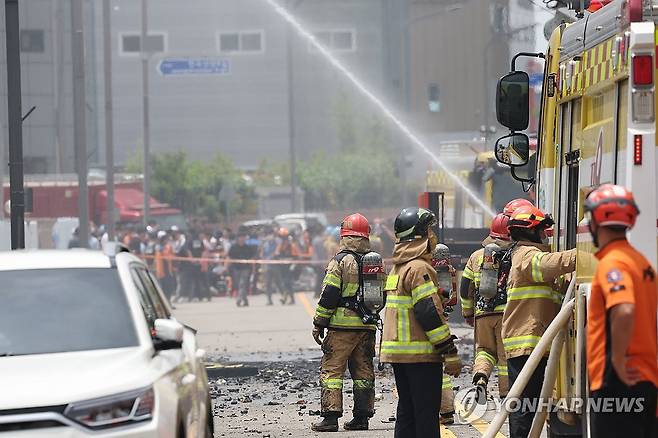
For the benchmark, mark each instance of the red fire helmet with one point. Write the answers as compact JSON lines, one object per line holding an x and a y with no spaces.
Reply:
{"x":498,"y":228}
{"x":612,"y":205}
{"x":514,"y":204}
{"x":355,"y":225}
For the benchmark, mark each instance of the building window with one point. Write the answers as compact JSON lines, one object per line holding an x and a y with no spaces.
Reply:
{"x":335,"y":40}
{"x":241,"y":42}
{"x":131,"y":43}
{"x":32,"y":41}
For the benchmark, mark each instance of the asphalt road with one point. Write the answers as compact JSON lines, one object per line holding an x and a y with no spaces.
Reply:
{"x":265,"y":383}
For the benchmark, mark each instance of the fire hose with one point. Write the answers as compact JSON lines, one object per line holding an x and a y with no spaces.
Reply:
{"x":556,"y":326}
{"x":551,"y":369}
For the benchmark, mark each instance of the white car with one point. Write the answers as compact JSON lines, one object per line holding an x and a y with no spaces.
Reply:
{"x":89,"y":347}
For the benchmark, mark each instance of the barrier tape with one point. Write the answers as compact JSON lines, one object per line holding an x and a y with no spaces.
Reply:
{"x":238,"y":261}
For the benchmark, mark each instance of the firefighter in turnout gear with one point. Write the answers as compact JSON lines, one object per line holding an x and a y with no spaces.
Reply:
{"x":417,"y":340}
{"x":486,"y":314}
{"x":621,"y":319}
{"x":533,"y":300}
{"x":349,"y":343}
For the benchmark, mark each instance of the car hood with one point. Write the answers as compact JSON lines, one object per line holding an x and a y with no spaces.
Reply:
{"x":61,"y":378}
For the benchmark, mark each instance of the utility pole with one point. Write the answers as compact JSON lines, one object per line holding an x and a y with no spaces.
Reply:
{"x":80,"y":118}
{"x":145,"y":109}
{"x":15,"y":125}
{"x":291,"y":122}
{"x":292,"y":5}
{"x":109,"y":134}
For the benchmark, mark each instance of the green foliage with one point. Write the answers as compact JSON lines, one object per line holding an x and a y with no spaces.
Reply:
{"x":362,"y":174}
{"x":194,"y":186}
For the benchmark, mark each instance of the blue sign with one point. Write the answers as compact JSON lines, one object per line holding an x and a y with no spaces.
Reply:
{"x":194,"y":66}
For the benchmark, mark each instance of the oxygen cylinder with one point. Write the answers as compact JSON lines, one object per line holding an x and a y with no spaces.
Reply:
{"x":489,"y":272}
{"x":441,"y":263}
{"x":373,"y":276}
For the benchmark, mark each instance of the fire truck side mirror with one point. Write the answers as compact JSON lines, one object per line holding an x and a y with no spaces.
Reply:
{"x":513,"y":101}
{"x":513,"y":150}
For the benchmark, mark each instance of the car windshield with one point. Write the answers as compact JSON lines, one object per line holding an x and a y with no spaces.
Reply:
{"x":60,"y":310}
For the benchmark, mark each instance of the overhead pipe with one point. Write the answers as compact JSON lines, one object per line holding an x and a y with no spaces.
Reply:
{"x":521,"y":382}
{"x":551,"y":369}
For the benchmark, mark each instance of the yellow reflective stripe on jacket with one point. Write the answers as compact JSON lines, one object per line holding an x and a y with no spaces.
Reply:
{"x":502,"y":370}
{"x":339,"y":319}
{"x":468,"y":273}
{"x":537,"y":275}
{"x":392,"y":282}
{"x":331,"y":383}
{"x":467,"y":303}
{"x":332,"y":280}
{"x":439,"y":334}
{"x":399,"y":302}
{"x":404,"y":326}
{"x":323,"y":312}
{"x":447,"y":382}
{"x":520,"y":342}
{"x":498,"y":308}
{"x":557,"y":297}
{"x":483,"y":355}
{"x":349,"y":289}
{"x":398,"y":347}
{"x":423,"y":291}
{"x":536,"y":291}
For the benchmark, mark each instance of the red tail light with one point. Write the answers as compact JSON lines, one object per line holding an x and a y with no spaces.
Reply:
{"x":637,"y":150}
{"x":642,"y":70}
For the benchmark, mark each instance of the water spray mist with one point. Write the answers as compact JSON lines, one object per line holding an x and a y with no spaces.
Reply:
{"x":415,"y":140}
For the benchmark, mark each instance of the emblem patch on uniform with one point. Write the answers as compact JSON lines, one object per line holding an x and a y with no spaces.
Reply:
{"x":614,"y":276}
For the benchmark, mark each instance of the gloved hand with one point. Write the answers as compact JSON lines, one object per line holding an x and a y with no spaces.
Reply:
{"x":452,"y":365}
{"x":470,"y":320}
{"x":318,"y":334}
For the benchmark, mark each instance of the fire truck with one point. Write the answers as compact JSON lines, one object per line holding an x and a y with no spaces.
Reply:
{"x":597,"y":125}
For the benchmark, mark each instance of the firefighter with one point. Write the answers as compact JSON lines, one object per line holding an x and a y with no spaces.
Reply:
{"x":416,"y":339}
{"x":349,"y":343}
{"x":621,"y":319}
{"x":533,"y":301}
{"x":486,"y":315}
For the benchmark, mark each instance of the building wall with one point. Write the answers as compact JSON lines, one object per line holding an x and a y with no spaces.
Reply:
{"x":460,"y":46}
{"x":243,"y":114}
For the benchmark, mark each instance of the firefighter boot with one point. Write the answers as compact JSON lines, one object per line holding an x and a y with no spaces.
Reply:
{"x":357,"y":423}
{"x":328,"y":424}
{"x":481,"y":382}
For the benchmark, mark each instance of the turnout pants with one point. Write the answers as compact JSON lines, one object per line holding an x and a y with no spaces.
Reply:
{"x":353,"y":349}
{"x":419,"y":388}
{"x":447,"y":396}
{"x":489,"y":349}
{"x":520,"y":421}
{"x":637,"y":422}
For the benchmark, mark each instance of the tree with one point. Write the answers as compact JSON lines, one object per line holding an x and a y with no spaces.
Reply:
{"x":363,"y":174}
{"x":194,"y":186}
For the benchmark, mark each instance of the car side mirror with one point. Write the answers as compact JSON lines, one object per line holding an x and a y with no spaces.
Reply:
{"x":168,"y":334}
{"x":513,"y":100}
{"x":513,"y":150}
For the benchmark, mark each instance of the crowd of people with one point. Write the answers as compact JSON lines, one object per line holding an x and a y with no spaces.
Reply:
{"x":204,"y":261}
